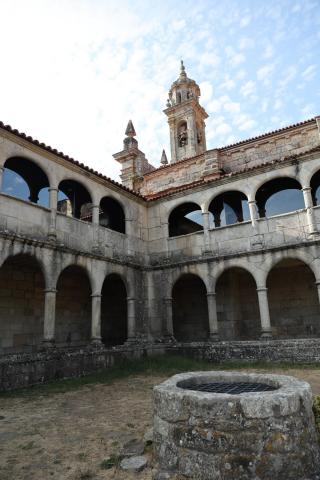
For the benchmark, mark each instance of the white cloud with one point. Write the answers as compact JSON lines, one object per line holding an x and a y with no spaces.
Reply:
{"x":244,"y":22}
{"x":232,"y":107}
{"x":264,"y":73}
{"x":223,"y":129}
{"x":248,"y":88}
{"x":309,"y":72}
{"x":206,"y":91}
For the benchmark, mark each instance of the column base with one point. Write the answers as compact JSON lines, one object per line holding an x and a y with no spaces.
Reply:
{"x":266,"y":335}
{"x":213,"y":337}
{"x":96,"y":342}
{"x":169,"y":338}
{"x":52,"y":236}
{"x":48,"y":343}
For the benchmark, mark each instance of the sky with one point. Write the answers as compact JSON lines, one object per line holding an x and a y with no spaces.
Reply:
{"x":73,"y":72}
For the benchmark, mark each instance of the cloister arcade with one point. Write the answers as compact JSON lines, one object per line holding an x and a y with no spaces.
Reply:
{"x":48,"y":297}
{"x":25,"y":179}
{"x":277,"y":196}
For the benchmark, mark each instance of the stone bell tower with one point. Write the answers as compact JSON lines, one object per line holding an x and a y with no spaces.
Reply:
{"x":186,"y":118}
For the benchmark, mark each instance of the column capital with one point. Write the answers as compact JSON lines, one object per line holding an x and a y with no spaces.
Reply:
{"x":252,"y":202}
{"x":94,"y":206}
{"x":317,"y":282}
{"x":96,"y":295}
{"x":50,"y":290}
{"x":306,"y":189}
{"x":211,"y":294}
{"x":262,"y":289}
{"x":53,"y":189}
{"x":130,"y":299}
{"x":205,"y":213}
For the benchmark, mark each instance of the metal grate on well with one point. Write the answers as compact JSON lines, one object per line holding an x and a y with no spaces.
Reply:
{"x":231,"y":388}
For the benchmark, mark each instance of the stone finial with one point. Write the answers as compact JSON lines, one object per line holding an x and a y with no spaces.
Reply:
{"x":164,"y":160}
{"x":130,"y":131}
{"x":182,"y":70}
{"x":130,"y":142}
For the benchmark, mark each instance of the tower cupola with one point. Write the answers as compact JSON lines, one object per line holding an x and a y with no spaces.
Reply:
{"x":186,"y":118}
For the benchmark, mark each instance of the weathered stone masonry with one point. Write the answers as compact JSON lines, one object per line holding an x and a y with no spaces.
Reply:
{"x":218,"y":246}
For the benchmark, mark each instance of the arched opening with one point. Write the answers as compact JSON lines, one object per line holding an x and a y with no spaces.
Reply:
{"x":229,"y":208}
{"x":114,"y":311}
{"x":182,"y":133}
{"x":73,"y":307}
{"x":22,"y":288}
{"x":237,"y":305}
{"x":74,"y":200}
{"x":112,"y":215}
{"x":190,"y":309}
{"x":315,"y":188}
{"x":184,"y":219}
{"x":293,"y":300}
{"x":23,"y":179}
{"x":278,"y":196}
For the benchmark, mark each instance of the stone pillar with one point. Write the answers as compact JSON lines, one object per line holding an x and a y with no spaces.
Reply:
{"x":95,"y":209}
{"x":131,"y":319}
{"x":49,"y":316}
{"x":168,"y":317}
{"x":96,"y":318}
{"x":53,"y":203}
{"x":264,"y":313}
{"x":206,"y":237}
{"x":309,"y":208}
{"x":1,"y":175}
{"x":253,"y":213}
{"x":173,"y":141}
{"x":212,"y":315}
{"x":318,"y":288}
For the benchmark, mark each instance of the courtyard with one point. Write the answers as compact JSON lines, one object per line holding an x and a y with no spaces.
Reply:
{"x":69,"y":430}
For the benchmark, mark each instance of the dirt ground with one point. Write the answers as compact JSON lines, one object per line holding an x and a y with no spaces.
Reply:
{"x":66,"y":436}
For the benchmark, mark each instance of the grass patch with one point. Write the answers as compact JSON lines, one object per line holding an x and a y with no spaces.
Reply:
{"x":110,"y":462}
{"x":160,"y":364}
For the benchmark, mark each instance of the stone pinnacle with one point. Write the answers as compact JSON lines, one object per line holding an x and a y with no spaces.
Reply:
{"x":130,"y":131}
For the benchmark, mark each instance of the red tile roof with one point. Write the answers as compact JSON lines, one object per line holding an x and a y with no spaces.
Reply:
{"x":172,"y":191}
{"x":237,"y":144}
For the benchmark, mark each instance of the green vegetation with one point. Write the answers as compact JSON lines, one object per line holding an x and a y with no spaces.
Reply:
{"x":110,"y":462}
{"x":316,"y":411}
{"x":154,"y":365}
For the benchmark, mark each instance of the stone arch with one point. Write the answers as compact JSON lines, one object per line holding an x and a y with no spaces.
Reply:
{"x":74,"y":199}
{"x":73,"y":306}
{"x":184,"y":219}
{"x":189,"y":309}
{"x":234,"y":205}
{"x":237,"y":304}
{"x":22,"y":286}
{"x":279,"y":195}
{"x":25,"y":179}
{"x":297,"y":255}
{"x":315,"y":188}
{"x":114,"y":315}
{"x":293,"y":299}
{"x":112,"y":214}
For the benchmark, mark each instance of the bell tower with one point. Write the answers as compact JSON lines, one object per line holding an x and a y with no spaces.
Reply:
{"x":186,"y":118}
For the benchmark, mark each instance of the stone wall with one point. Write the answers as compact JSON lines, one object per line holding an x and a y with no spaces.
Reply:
{"x":24,"y":370}
{"x":237,"y":306}
{"x":294,"y":305}
{"x":73,"y":308}
{"x":22,"y":304}
{"x":234,"y":158}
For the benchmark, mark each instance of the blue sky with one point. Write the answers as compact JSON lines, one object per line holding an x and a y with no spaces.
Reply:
{"x":74,"y":72}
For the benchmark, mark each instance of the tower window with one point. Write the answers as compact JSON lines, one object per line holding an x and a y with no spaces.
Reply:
{"x":183,"y":134}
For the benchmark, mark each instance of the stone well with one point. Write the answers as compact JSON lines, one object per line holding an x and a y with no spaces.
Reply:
{"x":268,"y":434}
